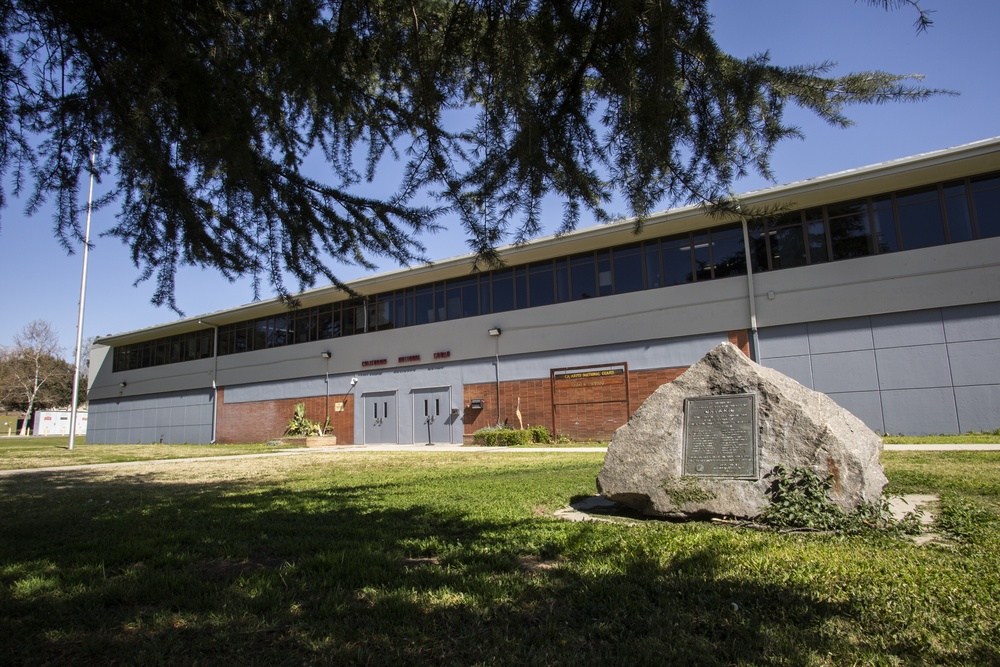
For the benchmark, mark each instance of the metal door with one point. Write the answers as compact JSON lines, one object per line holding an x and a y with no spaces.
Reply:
{"x":432,"y":417}
{"x":380,"y":418}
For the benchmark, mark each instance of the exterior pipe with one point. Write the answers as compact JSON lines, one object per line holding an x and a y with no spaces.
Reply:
{"x":751,"y":298}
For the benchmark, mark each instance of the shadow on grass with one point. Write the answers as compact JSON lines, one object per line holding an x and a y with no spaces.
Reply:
{"x":249,"y":574}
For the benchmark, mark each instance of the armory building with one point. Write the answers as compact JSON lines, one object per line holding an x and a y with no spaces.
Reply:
{"x":878,"y":286}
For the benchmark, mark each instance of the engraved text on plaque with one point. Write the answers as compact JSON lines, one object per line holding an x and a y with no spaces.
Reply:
{"x":720,"y":436}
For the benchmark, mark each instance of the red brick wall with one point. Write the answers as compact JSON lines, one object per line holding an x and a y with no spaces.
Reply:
{"x":582,"y":412}
{"x":259,"y":421}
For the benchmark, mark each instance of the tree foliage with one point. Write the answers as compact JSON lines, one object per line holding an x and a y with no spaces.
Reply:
{"x":209,"y":118}
{"x":32,"y":375}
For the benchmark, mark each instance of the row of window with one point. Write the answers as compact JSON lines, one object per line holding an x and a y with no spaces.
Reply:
{"x":170,"y":350}
{"x":947,"y":212}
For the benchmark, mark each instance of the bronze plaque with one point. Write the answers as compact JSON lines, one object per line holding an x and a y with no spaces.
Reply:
{"x":720,"y":436}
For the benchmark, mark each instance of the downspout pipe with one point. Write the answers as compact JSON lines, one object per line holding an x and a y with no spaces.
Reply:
{"x":215,"y":374}
{"x":751,"y":297}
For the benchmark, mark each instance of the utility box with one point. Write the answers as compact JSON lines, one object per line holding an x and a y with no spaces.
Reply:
{"x":56,"y":422}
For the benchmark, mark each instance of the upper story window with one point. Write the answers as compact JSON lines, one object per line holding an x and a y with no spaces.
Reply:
{"x":949,"y":212}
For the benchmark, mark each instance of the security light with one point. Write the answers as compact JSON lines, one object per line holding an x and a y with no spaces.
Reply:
{"x":494,"y":332}
{"x":325,"y":355}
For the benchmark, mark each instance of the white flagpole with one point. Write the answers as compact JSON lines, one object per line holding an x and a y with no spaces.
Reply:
{"x":83,"y":295}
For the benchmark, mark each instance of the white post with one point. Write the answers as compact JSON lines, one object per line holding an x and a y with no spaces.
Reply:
{"x":83,"y":295}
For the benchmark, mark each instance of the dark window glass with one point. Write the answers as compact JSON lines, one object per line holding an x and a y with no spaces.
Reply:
{"x":986,"y":199}
{"x":485,"y":290}
{"x":728,"y":255}
{"x":424,"y":304}
{"x":605,"y":282}
{"x":956,"y":209}
{"x":225,"y":334}
{"x":702,"y":257}
{"x":541,"y":281}
{"x":885,"y":224}
{"x":439,"y":303}
{"x":583,"y":276}
{"x":453,"y":295}
{"x":380,"y":313}
{"x":758,"y":246}
{"x":654,"y":271}
{"x":920,"y":222}
{"x":503,"y":290}
{"x":819,"y":246}
{"x":850,"y":234}
{"x":399,"y":304}
{"x":470,"y":297}
{"x":677,"y":261}
{"x":628,"y":269}
{"x":562,"y":280}
{"x":788,"y":248}
{"x":520,"y":288}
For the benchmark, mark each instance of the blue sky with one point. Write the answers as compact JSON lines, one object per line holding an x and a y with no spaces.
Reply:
{"x":960,"y":53}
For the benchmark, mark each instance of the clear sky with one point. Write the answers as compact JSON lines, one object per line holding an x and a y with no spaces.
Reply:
{"x":960,"y":52}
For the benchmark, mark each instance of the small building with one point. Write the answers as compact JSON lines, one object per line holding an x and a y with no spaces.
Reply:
{"x":879,"y":286}
{"x":56,"y":422}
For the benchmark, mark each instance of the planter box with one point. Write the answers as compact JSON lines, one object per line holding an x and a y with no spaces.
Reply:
{"x":312,"y":441}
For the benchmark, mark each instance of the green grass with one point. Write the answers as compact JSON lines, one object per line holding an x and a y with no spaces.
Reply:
{"x":961,"y":439}
{"x":434,"y":558}
{"x":47,"y":452}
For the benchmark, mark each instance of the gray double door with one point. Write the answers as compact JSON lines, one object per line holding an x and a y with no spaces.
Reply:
{"x":432,"y":417}
{"x":380,"y":418}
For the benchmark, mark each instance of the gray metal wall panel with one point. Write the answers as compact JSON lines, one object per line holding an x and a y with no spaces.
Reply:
{"x":978,"y":407}
{"x":975,"y":362}
{"x":976,"y":322}
{"x":846,"y":335}
{"x":149,"y":418}
{"x":917,"y":367}
{"x":785,"y":341}
{"x":924,"y":327}
{"x":865,"y":405}
{"x":797,"y":368}
{"x":844,"y":371}
{"x":920,"y":411}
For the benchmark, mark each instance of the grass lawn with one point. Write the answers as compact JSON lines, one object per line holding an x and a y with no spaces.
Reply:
{"x":47,"y":452}
{"x":455,"y":558}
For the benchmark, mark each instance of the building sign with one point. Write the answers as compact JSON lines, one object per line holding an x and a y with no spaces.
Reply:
{"x":409,"y":359}
{"x":442,"y":355}
{"x":597,"y":377}
{"x":374,"y":362}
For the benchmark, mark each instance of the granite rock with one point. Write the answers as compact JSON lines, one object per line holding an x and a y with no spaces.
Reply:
{"x":796,"y":427}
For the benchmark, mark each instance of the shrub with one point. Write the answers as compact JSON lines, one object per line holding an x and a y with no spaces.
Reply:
{"x":300,"y":425}
{"x":539,"y":434}
{"x":799,"y":500}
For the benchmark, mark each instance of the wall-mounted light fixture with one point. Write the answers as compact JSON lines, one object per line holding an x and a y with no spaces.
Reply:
{"x":476,"y":404}
{"x":123,"y":384}
{"x":354,"y":381}
{"x":325,"y":355}
{"x":494,"y":332}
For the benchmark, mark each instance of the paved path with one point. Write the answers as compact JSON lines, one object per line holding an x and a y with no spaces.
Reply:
{"x":311,"y":450}
{"x":422,"y":449}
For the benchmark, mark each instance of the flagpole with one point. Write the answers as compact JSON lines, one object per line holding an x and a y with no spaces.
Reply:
{"x":83,"y":295}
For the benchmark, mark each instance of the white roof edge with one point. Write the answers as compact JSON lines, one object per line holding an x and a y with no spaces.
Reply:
{"x":898,"y":165}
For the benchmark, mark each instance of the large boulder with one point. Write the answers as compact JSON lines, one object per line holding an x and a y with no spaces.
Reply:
{"x":646,"y":467}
